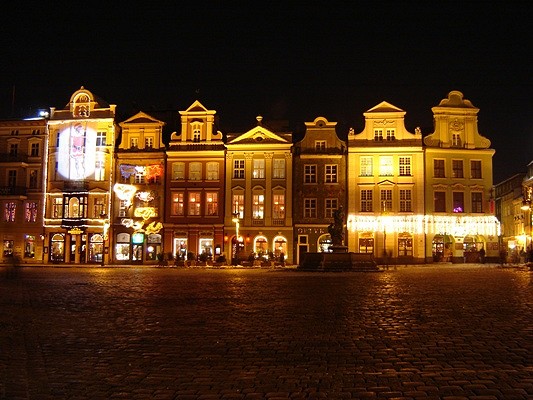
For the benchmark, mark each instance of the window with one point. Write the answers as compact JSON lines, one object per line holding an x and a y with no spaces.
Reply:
{"x":278,"y":206}
{"x":212,"y":171}
{"x":405,"y":200}
{"x":178,"y":171}
{"x":309,"y":208}
{"x":477,"y":202}
{"x":13,"y":149}
{"x":458,"y":202}
{"x":309,"y":173}
{"x":194,"y":203}
{"x":258,"y":206}
{"x":438,"y":169}
{"x":330,"y":206}
{"x":475,"y":169}
{"x":279,"y":168}
{"x":391,"y":134}
{"x":366,"y":164}
{"x":99,"y":170}
{"x":196,"y":128}
{"x":211,"y":203}
{"x":100,"y":138}
{"x":149,"y":142}
{"x":177,"y":204}
{"x":331,"y":174}
{"x":33,"y":179}
{"x":405,"y":166}
{"x":320,"y":145}
{"x":34,"y":151}
{"x":99,"y":206}
{"x":456,"y":140}
{"x":237,"y":205}
{"x":238,"y":169}
{"x":378,"y":135}
{"x":10,"y":211}
{"x":30,"y":212}
{"x":405,"y":246}
{"x":386,"y":200}
{"x":259,"y":169}
{"x":457,"y":168}
{"x":12,"y":178}
{"x":385,"y":166}
{"x":439,"y":201}
{"x":57,"y":207}
{"x":195,"y":171}
{"x":123,"y":206}
{"x":366,"y":200}
{"x":139,"y":176}
{"x":134,"y":142}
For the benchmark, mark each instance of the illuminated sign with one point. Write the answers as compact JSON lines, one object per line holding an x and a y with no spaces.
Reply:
{"x":145,"y":212}
{"x":77,"y":151}
{"x":137,"y":238}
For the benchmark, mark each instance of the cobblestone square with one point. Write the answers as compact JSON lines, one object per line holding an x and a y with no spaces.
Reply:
{"x":421,"y":332}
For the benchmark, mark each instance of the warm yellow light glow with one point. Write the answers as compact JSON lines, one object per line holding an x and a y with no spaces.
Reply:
{"x":125,"y":192}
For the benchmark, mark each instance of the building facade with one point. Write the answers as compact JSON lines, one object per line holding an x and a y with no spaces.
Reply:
{"x":139,"y":192}
{"x":79,"y":180}
{"x":319,"y":183}
{"x":386,"y":188}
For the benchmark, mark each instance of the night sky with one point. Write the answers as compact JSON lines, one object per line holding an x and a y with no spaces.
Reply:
{"x":289,"y":60}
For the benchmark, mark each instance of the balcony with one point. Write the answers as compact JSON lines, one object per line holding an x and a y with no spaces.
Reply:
{"x":14,"y":160}
{"x":69,"y":223}
{"x":75,"y":186}
{"x":13,"y":191}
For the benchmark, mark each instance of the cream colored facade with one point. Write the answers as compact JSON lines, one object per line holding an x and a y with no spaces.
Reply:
{"x":79,"y":180}
{"x":139,"y":192}
{"x":259,"y":191}
{"x":22,"y":157}
{"x":386,"y":188}
{"x":459,"y":205}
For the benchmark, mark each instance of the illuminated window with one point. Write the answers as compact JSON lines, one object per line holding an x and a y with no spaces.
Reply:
{"x":320,"y":145}
{"x":330,"y":206}
{"x":457,"y":169}
{"x":391,"y":134}
{"x":458,"y":202}
{"x":258,"y":169}
{"x":405,"y":166}
{"x":366,"y":200}
{"x":475,"y":169}
{"x":148,"y":142}
{"x":238,"y":169}
{"x":12,"y":178}
{"x":178,"y":207}
{"x":194,"y":203}
{"x":405,"y":245}
{"x":76,"y":207}
{"x":258,"y":206}
{"x":100,"y":138}
{"x":456,"y":140}
{"x":278,"y":206}
{"x":279,"y":168}
{"x":29,"y":246}
{"x":35,"y":148}
{"x":378,"y":135}
{"x":123,"y":206}
{"x":212,"y":171}
{"x":10,"y":210}
{"x":196,"y":128}
{"x":139,"y":176}
{"x":99,"y":170}
{"x":309,"y":208}
{"x":330,"y":174}
{"x":405,"y":200}
{"x":439,"y":201}
{"x":366,"y":166}
{"x":211,"y":203}
{"x":33,"y":179}
{"x":237,"y":205}
{"x":438,"y":169}
{"x":178,"y":171}
{"x":366,"y":245}
{"x":477,"y":202}
{"x":386,"y":200}
{"x":385,"y":166}
{"x":195,"y":171}
{"x":99,"y":207}
{"x":30,"y":212}
{"x":134,"y":142}
{"x":309,"y":173}
{"x":57,"y":207}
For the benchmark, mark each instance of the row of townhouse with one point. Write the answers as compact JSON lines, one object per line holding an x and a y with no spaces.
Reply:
{"x":80,"y":187}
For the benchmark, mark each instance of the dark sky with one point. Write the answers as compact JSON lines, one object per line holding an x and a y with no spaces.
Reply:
{"x":283,"y":60}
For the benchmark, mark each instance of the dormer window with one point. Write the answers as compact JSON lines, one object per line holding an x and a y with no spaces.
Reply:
{"x":196,"y":131}
{"x":456,"y":140}
{"x":378,"y":135}
{"x":391,"y":134}
{"x":81,"y":105}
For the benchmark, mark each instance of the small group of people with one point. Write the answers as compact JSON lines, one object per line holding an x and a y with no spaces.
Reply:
{"x":517,"y":256}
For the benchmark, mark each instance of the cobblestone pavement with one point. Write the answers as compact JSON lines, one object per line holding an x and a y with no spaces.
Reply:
{"x":426,"y":332}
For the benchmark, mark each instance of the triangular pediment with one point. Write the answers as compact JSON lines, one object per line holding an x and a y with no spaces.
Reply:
{"x":196,"y":107}
{"x":258,"y":135}
{"x":384,"y":107}
{"x":142,"y":118}
{"x":386,"y":182}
